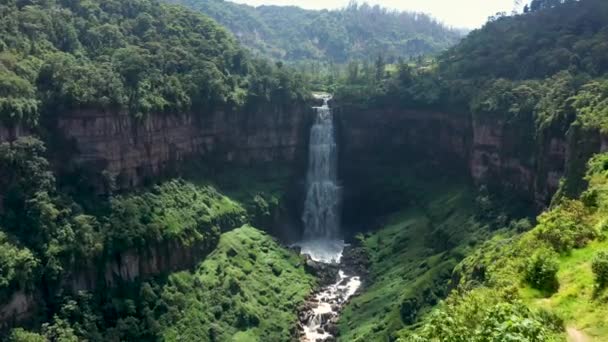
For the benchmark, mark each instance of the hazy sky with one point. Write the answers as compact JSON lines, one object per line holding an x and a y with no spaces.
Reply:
{"x":457,"y":13}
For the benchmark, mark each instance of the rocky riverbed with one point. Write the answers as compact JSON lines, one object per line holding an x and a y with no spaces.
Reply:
{"x":339,"y":282}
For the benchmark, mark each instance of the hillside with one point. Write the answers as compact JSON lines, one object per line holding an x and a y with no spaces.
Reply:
{"x":528,"y":94}
{"x":140,"y":143}
{"x":137,"y":56}
{"x":357,"y":32}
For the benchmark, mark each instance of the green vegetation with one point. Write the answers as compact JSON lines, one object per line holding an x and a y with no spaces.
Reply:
{"x":136,"y":56}
{"x":248,"y":289}
{"x":599,"y":265}
{"x":539,"y":44}
{"x":539,"y":74}
{"x":486,"y":315}
{"x":47,"y":238}
{"x":564,"y":250}
{"x":175,"y":210}
{"x":412,"y":258}
{"x":259,"y":189}
{"x":541,"y":271}
{"x":357,"y":32}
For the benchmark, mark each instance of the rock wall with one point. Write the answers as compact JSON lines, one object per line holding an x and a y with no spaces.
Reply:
{"x":133,"y":150}
{"x":378,"y":147}
{"x":131,"y":265}
{"x":9,"y":133}
{"x":491,"y":151}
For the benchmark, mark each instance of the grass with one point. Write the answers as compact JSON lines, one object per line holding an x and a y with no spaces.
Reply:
{"x":412,"y":258}
{"x":575,"y":301}
{"x":248,"y":289}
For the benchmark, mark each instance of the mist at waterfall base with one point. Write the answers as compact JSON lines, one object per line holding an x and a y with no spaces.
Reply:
{"x":321,"y":216}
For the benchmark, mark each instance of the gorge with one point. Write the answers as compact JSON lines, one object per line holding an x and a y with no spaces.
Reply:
{"x":161,"y":182}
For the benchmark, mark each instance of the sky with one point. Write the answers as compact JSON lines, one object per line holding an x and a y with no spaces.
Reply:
{"x":456,"y":13}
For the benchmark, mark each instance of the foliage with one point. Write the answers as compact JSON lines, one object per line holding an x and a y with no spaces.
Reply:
{"x":248,"y":288}
{"x":541,"y":271}
{"x":590,"y":104}
{"x":18,"y":267}
{"x":136,"y":56}
{"x":428,"y":240}
{"x":174,"y":210}
{"x":566,"y":226}
{"x":534,"y":45}
{"x":357,"y":32}
{"x":555,"y":287}
{"x":482,"y":315}
{"x":21,"y":335}
{"x":599,"y":266}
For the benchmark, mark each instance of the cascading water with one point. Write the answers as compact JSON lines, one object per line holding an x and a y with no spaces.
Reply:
{"x":321,"y":215}
{"x":321,"y":219}
{"x":322,"y":207}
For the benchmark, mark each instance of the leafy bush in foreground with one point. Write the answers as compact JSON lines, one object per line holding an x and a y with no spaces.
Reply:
{"x":541,"y":271}
{"x":566,"y":227}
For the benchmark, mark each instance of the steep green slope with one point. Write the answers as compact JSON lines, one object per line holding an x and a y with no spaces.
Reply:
{"x":412,"y":257}
{"x":353,"y":33}
{"x":570,"y":36}
{"x":248,"y":289}
{"x":555,"y":275}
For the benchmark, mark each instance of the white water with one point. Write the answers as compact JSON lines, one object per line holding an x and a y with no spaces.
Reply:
{"x":335,"y":295}
{"x":321,"y":219}
{"x":325,"y":251}
{"x":322,"y":206}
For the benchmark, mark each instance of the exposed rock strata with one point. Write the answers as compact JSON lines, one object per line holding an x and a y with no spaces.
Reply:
{"x":133,"y":150}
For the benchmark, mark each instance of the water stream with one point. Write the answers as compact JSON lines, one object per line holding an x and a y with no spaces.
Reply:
{"x":322,"y":240}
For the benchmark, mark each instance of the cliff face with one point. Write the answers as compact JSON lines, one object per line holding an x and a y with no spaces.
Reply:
{"x":133,"y":150}
{"x":489,"y":150}
{"x":9,"y":133}
{"x":377,"y":148}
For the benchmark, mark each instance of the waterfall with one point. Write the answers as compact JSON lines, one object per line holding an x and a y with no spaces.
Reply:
{"x":321,"y":217}
{"x":322,"y":206}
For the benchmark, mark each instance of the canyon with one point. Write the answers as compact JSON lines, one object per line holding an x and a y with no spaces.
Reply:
{"x":136,"y":151}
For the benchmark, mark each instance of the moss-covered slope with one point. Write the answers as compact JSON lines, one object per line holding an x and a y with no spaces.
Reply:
{"x":412,"y":258}
{"x":248,"y":289}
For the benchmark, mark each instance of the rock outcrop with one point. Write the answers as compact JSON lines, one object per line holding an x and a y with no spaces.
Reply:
{"x":10,"y":133}
{"x":133,"y":150}
{"x":489,"y":150}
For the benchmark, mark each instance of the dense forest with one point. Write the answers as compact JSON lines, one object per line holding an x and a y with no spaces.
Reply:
{"x":357,"y":32}
{"x":190,"y":255}
{"x":138,"y":56}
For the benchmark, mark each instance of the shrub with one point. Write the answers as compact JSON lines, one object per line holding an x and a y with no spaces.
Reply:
{"x":566,"y":227}
{"x":21,"y":335}
{"x":541,"y":271}
{"x":599,"y":266}
{"x":521,"y":226}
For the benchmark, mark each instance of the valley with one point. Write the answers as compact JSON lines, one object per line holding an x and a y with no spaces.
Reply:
{"x":208,"y":171}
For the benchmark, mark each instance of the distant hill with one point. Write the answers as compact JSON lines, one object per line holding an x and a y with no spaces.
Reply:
{"x":356,"y":32}
{"x":554,"y":35}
